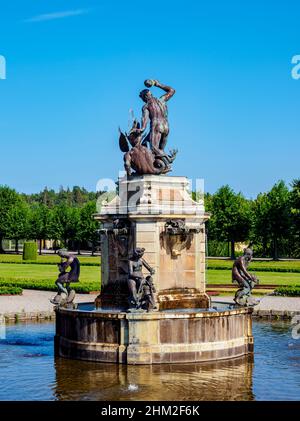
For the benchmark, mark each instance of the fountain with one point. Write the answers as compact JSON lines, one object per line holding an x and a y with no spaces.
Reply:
{"x":153,"y":307}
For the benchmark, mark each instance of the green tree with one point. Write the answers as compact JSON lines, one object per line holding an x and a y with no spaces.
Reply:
{"x":9,"y":198}
{"x":40,"y":224}
{"x":88,"y":226}
{"x":65,"y":224}
{"x":260,"y":235}
{"x":18,"y":222}
{"x":231,"y":218}
{"x":273,"y":217}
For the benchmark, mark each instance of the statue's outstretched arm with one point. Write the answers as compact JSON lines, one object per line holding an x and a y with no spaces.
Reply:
{"x":170,"y":91}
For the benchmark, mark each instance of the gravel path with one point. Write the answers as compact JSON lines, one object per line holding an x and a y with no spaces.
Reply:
{"x":36,"y":303}
{"x":270,"y":305}
{"x":33,"y":302}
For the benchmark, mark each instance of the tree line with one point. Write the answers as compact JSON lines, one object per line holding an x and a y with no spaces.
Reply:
{"x":270,"y":223}
{"x":64,"y":216}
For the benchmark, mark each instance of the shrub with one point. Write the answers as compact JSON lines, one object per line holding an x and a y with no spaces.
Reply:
{"x":217,"y":248}
{"x":290,"y":291}
{"x":10,"y":290}
{"x":49,"y":285}
{"x":30,"y":250}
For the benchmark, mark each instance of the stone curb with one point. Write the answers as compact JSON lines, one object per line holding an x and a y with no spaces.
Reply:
{"x":22,"y":316}
{"x":274,"y":314}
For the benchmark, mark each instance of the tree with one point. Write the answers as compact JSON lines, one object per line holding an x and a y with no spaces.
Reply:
{"x":40,"y":224}
{"x":18,"y":222}
{"x":88,"y":226}
{"x":273,"y":217}
{"x":9,"y":198}
{"x":65,"y":223}
{"x":231,"y":218}
{"x":260,"y":235}
{"x":295,"y":218}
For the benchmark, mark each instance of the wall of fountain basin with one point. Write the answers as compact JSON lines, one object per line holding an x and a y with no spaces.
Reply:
{"x":170,"y":336}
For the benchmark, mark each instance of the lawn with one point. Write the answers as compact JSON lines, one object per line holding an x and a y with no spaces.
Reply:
{"x":276,"y":278}
{"x":43,"y":276}
{"x":258,"y":265}
{"x":41,"y":272}
{"x":48,"y":259}
{"x":33,"y":276}
{"x":212,"y":264}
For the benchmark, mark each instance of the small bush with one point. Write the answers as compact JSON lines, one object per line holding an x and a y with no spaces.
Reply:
{"x":290,"y":291}
{"x":30,"y":250}
{"x":10,"y":290}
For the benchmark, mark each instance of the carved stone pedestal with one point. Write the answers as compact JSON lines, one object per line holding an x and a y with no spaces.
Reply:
{"x":158,"y":214}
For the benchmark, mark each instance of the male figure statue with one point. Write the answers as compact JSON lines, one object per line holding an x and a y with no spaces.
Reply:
{"x":65,"y":278}
{"x":246,"y":280}
{"x":155,"y":110}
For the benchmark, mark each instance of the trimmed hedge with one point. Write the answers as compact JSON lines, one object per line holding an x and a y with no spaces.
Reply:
{"x":35,"y":262}
{"x":30,"y":250}
{"x":49,"y":285}
{"x":10,"y":290}
{"x":292,"y":291}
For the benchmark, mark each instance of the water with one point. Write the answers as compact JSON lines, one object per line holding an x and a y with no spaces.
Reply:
{"x":90,"y":307}
{"x":29,"y":371}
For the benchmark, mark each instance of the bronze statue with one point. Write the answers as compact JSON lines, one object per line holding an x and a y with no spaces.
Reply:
{"x":65,"y":278}
{"x":155,"y":110}
{"x":140,"y":158}
{"x":140,"y":289}
{"x":146,"y":294}
{"x":245,"y":280}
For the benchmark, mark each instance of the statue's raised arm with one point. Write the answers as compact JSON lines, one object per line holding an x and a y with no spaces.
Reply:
{"x":169,"y":91}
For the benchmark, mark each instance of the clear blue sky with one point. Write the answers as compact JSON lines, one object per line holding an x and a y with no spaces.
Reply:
{"x":74,"y":69}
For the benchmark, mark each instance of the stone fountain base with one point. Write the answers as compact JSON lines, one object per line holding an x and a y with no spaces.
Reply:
{"x":180,"y":336}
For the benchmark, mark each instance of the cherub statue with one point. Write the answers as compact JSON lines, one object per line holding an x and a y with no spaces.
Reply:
{"x":146,"y":294}
{"x":65,"y":294}
{"x":136,"y":278}
{"x":140,"y":158}
{"x":245,"y":279}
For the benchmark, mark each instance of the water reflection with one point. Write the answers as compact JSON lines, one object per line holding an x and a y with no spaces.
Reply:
{"x":28,"y":371}
{"x":228,"y":380}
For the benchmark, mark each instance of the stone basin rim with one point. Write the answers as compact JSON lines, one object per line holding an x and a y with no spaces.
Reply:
{"x":154,"y":315}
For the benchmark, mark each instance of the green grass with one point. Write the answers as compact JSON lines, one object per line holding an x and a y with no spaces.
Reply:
{"x":276,"y":278}
{"x":258,"y":265}
{"x":48,"y":259}
{"x":212,"y":264}
{"x":43,"y":277}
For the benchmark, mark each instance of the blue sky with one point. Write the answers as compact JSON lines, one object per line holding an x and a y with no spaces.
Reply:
{"x":74,"y":69}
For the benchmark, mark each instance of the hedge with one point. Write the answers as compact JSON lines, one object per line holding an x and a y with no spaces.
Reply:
{"x":49,"y":285}
{"x":290,"y":291}
{"x":10,"y":290}
{"x":34,"y":262}
{"x":30,"y":250}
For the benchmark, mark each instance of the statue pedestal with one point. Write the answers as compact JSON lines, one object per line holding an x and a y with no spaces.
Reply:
{"x":162,"y":218}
